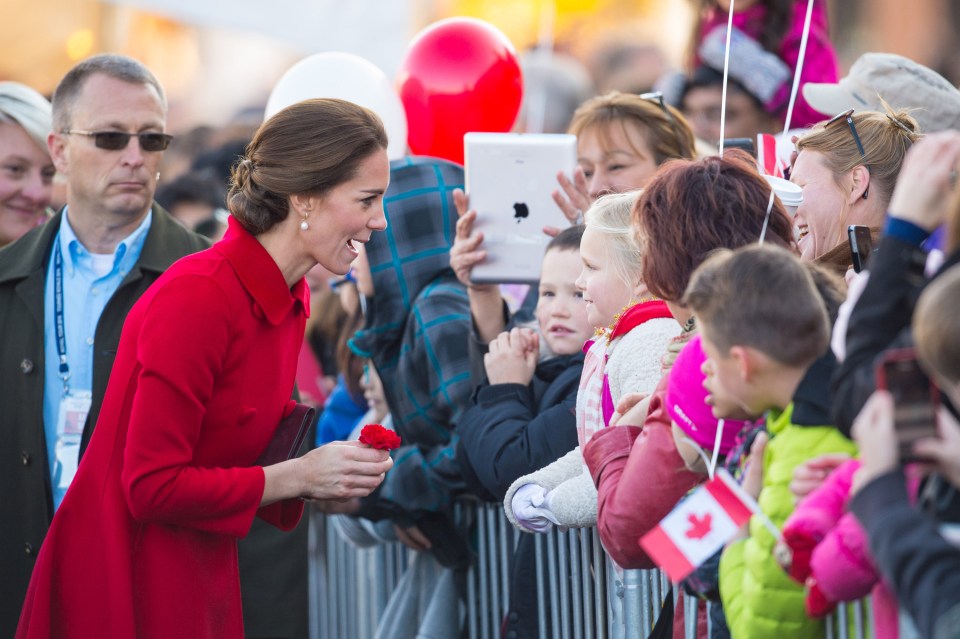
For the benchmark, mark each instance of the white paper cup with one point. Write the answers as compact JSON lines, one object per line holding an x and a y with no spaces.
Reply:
{"x":791,"y":195}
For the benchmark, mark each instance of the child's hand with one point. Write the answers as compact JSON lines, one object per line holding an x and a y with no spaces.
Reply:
{"x":808,"y":476}
{"x":631,"y":410}
{"x":753,"y":474}
{"x":512,"y":357}
{"x":412,"y":538}
{"x":466,"y":251}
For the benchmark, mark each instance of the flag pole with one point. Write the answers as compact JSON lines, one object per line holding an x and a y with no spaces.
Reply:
{"x":799,"y":69}
{"x":726,"y":73}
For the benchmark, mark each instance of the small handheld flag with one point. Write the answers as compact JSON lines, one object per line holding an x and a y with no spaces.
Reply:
{"x":699,"y":526}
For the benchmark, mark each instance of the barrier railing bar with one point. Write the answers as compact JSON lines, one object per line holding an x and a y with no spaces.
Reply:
{"x":563,"y":584}
{"x":493,"y":580}
{"x":588,"y":593}
{"x":541,"y":587}
{"x":483,"y":561}
{"x":600,"y":583}
{"x":552,"y":585}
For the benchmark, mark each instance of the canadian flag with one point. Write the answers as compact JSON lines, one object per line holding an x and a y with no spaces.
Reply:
{"x":767,"y":158}
{"x":699,"y":526}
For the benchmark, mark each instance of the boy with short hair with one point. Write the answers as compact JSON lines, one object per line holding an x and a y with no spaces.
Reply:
{"x":760,"y":348}
{"x":523,"y":418}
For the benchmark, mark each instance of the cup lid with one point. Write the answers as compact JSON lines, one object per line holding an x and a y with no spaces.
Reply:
{"x":788,"y":192}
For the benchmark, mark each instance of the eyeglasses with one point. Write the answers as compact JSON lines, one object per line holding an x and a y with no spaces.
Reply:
{"x":848,"y":117}
{"x":118,"y":140}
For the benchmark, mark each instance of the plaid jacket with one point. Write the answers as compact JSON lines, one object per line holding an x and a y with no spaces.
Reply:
{"x":417,"y":331}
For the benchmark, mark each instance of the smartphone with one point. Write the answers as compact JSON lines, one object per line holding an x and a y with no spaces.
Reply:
{"x":744,"y":144}
{"x":915,"y":398}
{"x":861,"y":246}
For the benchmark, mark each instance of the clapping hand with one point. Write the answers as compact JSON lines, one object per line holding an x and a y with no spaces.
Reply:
{"x":512,"y":357}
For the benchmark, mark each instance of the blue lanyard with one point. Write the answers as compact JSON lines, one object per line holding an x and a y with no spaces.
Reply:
{"x":58,"y":314}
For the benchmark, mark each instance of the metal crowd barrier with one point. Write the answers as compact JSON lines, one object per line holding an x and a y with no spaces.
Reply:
{"x":582,"y":594}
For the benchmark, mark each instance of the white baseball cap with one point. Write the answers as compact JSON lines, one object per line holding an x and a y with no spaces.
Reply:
{"x":901,"y":82}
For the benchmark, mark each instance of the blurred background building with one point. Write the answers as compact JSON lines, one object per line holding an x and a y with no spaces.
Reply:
{"x":219,"y":60}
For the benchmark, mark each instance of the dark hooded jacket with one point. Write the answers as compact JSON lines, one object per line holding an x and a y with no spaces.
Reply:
{"x":417,"y":335}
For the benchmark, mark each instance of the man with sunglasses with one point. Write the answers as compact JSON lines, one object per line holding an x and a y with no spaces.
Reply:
{"x":65,"y":290}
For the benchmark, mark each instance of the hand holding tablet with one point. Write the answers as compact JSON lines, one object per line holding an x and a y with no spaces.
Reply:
{"x":510,"y":182}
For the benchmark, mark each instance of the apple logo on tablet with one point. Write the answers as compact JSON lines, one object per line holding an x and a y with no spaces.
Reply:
{"x":520,"y":211}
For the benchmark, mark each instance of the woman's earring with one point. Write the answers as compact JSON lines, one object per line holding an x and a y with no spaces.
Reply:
{"x":303,"y":225}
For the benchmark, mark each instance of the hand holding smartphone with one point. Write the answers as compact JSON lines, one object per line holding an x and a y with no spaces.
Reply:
{"x":915,"y":398}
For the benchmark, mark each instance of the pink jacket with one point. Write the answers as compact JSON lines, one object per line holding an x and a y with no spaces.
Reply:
{"x":820,"y":61}
{"x":831,"y":549}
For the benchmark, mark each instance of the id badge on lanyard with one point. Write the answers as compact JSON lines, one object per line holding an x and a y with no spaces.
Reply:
{"x":74,"y":408}
{"x":74,"y":404}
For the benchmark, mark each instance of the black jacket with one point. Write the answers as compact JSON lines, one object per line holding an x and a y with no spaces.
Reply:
{"x":922,"y":567}
{"x":26,"y":507}
{"x":513,"y":430}
{"x":880,"y":320}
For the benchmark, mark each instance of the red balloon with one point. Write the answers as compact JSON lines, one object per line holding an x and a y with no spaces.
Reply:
{"x":459,"y":75}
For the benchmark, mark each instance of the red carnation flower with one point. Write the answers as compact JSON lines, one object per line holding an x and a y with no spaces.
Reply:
{"x":376,"y":436}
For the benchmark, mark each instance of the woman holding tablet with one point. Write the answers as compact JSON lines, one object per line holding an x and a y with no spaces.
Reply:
{"x":622,"y":139}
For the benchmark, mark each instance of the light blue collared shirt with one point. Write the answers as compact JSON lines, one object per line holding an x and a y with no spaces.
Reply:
{"x":88,"y":285}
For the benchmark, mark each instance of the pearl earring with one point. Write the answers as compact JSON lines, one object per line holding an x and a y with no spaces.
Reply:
{"x":303,"y":225}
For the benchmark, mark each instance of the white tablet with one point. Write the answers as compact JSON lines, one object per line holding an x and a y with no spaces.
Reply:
{"x":509,"y":179}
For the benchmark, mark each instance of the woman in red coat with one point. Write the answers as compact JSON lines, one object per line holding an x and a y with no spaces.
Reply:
{"x":144,"y":544}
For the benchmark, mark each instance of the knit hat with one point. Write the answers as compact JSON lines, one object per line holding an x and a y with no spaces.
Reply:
{"x":761,"y":72}
{"x":29,"y":109}
{"x":900,"y":81}
{"x":686,"y":403}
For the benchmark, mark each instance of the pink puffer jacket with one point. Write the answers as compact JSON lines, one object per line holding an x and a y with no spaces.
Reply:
{"x":831,"y":553}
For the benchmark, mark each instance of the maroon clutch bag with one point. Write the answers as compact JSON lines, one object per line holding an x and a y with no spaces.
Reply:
{"x":289,"y":435}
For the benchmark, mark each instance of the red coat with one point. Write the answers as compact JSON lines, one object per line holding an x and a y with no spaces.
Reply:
{"x":640,"y":477}
{"x":145,"y":542}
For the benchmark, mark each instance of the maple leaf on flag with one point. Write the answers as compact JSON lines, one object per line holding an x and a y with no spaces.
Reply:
{"x":699,"y":526}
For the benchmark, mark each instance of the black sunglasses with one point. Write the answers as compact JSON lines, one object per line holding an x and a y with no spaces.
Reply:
{"x":117,"y":140}
{"x":848,"y":117}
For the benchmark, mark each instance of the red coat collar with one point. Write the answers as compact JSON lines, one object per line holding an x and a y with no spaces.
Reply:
{"x":638,"y":314}
{"x":260,"y":275}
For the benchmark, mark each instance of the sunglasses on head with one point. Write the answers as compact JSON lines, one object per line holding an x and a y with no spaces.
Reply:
{"x":117,"y":140}
{"x":657,"y":98}
{"x":847,"y":116}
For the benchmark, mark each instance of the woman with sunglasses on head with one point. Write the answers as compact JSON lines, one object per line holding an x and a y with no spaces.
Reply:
{"x":26,"y":170}
{"x":847,"y":168}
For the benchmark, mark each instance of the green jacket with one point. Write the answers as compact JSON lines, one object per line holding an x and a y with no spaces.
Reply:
{"x":26,"y":507}
{"x":759,"y":599}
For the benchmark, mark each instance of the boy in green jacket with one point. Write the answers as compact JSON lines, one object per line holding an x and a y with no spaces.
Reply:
{"x":764,"y":324}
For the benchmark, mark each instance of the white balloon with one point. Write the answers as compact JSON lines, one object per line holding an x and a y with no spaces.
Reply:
{"x":347,"y":77}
